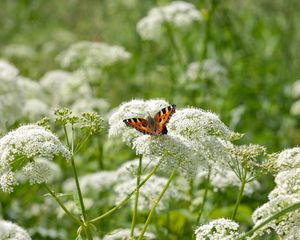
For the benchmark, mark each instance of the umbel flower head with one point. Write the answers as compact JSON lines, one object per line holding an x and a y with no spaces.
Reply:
{"x":285,"y":160}
{"x":92,"y":55}
{"x":61,"y":86}
{"x":9,"y":230}
{"x":193,"y":135}
{"x":11,"y":96}
{"x":286,"y":193}
{"x":219,"y":229}
{"x":179,"y":14}
{"x":209,"y":69}
{"x":20,"y":148}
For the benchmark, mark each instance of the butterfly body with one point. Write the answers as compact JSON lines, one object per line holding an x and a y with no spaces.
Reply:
{"x":152,"y":125}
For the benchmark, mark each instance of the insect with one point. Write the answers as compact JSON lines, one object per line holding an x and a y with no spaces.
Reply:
{"x":152,"y":125}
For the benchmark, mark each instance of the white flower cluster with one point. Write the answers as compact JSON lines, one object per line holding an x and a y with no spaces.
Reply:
{"x":61,"y":86}
{"x":288,"y":159}
{"x":194,"y":136}
{"x":148,"y":192}
{"x":121,"y":234}
{"x":9,"y":230}
{"x":41,"y":170}
{"x":222,"y":178}
{"x":11,"y":98}
{"x":179,"y":14}
{"x":19,"y":51}
{"x":209,"y":70}
{"x":92,"y":55}
{"x":286,"y":193}
{"x":7,"y":71}
{"x":207,"y":133}
{"x":219,"y":229}
{"x":25,"y":144}
{"x":31,"y":89}
{"x":95,"y":182}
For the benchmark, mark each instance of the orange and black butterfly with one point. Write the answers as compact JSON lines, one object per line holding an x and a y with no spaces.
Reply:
{"x":152,"y":125}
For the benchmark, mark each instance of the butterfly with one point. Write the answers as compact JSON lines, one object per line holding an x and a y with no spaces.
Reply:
{"x":153,"y":125}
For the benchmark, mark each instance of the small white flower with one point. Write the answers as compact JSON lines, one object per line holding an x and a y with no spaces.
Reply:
{"x":92,"y":55}
{"x":148,"y":192}
{"x":9,"y":230}
{"x":179,"y":14}
{"x":122,"y":234}
{"x":219,"y":229}
{"x":24,"y":144}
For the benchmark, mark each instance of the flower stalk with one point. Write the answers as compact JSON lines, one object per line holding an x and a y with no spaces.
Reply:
{"x":205,"y":196}
{"x":155,"y":204}
{"x":53,"y":194}
{"x":138,"y":179}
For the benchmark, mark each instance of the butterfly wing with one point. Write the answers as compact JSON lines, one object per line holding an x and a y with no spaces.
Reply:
{"x":140,"y":124}
{"x":162,"y":118}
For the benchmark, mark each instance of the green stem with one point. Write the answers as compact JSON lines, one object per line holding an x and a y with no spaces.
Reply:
{"x":67,"y":137}
{"x":127,"y":198}
{"x":76,"y":179}
{"x":78,"y":189}
{"x":191,"y":188}
{"x":88,"y":233}
{"x":138,"y":179}
{"x":273,"y":217}
{"x":155,"y":204}
{"x":52,"y":193}
{"x":207,"y":35}
{"x":238,"y":201}
{"x":205,"y":196}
